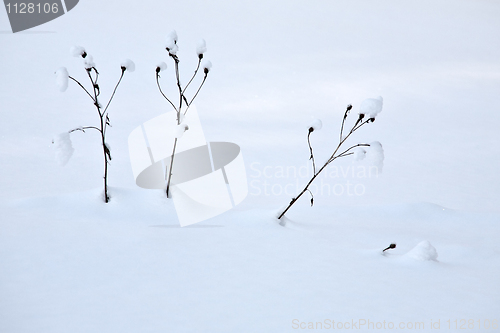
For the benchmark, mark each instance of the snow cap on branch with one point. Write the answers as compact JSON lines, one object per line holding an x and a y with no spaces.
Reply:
{"x":201,"y":48}
{"x":180,"y":129}
{"x":172,"y":47}
{"x":128,"y":65}
{"x":62,"y":77}
{"x":161,"y":67}
{"x":64,"y":148}
{"x":315,"y":125}
{"x":375,"y":154}
{"x":207,"y":67}
{"x":370,"y":107}
{"x":89,"y":62}
{"x":359,"y":154}
{"x":78,"y":51}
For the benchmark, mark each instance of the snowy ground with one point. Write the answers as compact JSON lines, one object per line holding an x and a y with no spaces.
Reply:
{"x":70,"y":263}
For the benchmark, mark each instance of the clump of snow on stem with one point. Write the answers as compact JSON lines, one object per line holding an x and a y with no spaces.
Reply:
{"x":207,"y":67}
{"x":370,"y":107}
{"x":64,"y":148}
{"x":201,"y":48}
{"x":359,"y":154}
{"x":77,"y":51}
{"x":89,"y":62}
{"x":128,"y":65}
{"x":375,"y":154}
{"x":180,"y":129}
{"x":62,"y":77}
{"x":315,"y":124}
{"x":172,"y":43}
{"x":161,"y":66}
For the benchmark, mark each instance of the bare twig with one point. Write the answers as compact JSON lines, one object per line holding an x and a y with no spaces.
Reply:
{"x":311,"y":157}
{"x":199,"y":88}
{"x":349,"y":107}
{"x":83,"y":129}
{"x":72,"y":78}
{"x":161,"y":91}
{"x":195,"y":72}
{"x":114,"y":91}
{"x":333,"y":157}
{"x":182,"y":99}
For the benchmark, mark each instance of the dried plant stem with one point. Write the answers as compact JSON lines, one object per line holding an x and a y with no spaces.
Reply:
{"x":330,"y":160}
{"x":103,"y":119}
{"x":182,"y":99}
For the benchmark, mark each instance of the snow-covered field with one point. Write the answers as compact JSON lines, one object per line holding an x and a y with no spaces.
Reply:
{"x":70,"y":263}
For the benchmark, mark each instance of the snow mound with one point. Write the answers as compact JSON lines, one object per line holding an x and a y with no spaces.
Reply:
{"x":64,"y":148}
{"x":424,"y":251}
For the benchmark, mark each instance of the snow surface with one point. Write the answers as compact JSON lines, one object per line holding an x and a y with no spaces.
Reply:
{"x":70,"y":263}
{"x":75,"y":264}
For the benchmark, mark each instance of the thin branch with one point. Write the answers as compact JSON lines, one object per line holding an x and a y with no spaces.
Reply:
{"x":96,"y":74}
{"x":72,"y":78}
{"x":170,"y":168}
{"x":311,"y":150}
{"x":343,"y":155}
{"x":356,"y":126}
{"x":312,"y":198}
{"x":84,"y":128}
{"x":96,"y":102}
{"x":181,"y":96}
{"x":114,"y":91}
{"x":349,"y":107}
{"x":194,"y":75}
{"x":347,"y":150}
{"x":178,"y":122}
{"x":161,"y":91}
{"x":201,"y":85}
{"x":332,"y":157}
